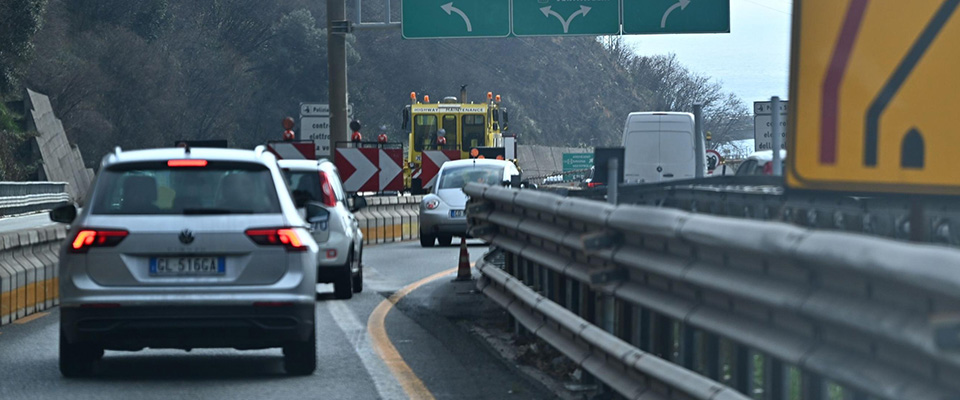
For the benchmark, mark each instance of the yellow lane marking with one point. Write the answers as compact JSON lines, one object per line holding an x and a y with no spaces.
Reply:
{"x":32,"y":317}
{"x":411,"y":384}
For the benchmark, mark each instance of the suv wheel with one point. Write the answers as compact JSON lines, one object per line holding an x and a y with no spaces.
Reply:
{"x":77,"y":359}
{"x":343,"y":286}
{"x":445,"y":240}
{"x":426,"y":240}
{"x":301,"y":358}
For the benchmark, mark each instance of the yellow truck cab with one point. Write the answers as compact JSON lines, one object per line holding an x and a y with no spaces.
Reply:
{"x":463,"y":127}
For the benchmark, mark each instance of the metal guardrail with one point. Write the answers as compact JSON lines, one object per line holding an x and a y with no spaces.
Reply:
{"x":771,"y":310}
{"x":24,"y":197}
{"x":764,"y":198}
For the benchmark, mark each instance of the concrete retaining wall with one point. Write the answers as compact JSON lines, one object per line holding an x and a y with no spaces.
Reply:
{"x":28,"y":271}
{"x":390,"y":219}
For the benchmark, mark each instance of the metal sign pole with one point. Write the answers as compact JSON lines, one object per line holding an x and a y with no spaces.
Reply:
{"x":775,"y":135}
{"x":337,"y":71}
{"x":613,"y":180}
{"x":698,"y":139}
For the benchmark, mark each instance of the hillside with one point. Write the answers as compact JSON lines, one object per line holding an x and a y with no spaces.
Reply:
{"x":145,"y":73}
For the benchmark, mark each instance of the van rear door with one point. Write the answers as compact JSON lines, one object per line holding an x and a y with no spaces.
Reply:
{"x":658,"y":147}
{"x":641,"y":142}
{"x":677,"y":147}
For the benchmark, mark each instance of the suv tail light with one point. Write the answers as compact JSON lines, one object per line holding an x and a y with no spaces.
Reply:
{"x":286,"y":237}
{"x":329,"y":198}
{"x":88,"y":238}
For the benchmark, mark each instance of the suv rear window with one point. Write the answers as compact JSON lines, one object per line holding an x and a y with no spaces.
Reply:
{"x":156,"y":189}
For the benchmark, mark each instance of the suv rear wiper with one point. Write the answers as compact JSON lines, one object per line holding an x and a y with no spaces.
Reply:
{"x":213,"y":211}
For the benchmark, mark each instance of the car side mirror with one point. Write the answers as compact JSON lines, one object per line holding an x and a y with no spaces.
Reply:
{"x":64,"y":214}
{"x":316,"y":213}
{"x":359,"y":203}
{"x":300,"y":198}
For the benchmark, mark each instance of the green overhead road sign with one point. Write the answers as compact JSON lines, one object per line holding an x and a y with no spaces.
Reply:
{"x":566,"y":17}
{"x":676,"y":16}
{"x":455,"y":18}
{"x":434,"y":19}
{"x":576,"y":162}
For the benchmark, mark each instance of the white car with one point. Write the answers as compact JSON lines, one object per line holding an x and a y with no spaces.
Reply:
{"x":442,"y":214}
{"x":319,"y":195}
{"x":760,"y":163}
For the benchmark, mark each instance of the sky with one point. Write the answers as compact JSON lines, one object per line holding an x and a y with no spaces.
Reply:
{"x":752,"y":61}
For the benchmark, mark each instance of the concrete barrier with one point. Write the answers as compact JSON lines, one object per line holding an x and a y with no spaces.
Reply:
{"x":29,"y":277}
{"x":390,"y":219}
{"x":28,"y":271}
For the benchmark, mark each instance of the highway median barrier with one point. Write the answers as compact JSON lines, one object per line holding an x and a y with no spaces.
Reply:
{"x":28,"y":271}
{"x":388,"y":219}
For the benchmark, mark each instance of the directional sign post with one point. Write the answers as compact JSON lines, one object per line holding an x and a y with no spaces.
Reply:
{"x":455,"y":18}
{"x":566,"y":17}
{"x":873,"y":106}
{"x":676,"y":16}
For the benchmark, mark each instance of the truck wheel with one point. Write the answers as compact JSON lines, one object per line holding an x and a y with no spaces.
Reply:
{"x":427,"y":240}
{"x":301,"y":358}
{"x":77,"y":359}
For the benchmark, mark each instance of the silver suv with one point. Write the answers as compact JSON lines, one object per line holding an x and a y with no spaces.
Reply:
{"x":187,"y":248}
{"x":317,"y":189}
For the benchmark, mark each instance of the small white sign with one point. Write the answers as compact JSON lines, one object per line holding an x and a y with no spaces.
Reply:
{"x":319,"y":110}
{"x":317,"y":129}
{"x":315,"y":126}
{"x":766,"y":107}
{"x":762,"y":132}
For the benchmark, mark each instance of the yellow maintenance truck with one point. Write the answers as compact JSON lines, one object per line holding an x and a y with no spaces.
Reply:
{"x":452,"y":129}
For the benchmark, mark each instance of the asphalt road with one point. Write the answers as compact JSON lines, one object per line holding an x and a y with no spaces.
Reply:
{"x":12,"y":224}
{"x":427,"y":327}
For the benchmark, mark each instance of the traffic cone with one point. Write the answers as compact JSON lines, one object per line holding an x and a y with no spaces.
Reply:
{"x":463,"y":269}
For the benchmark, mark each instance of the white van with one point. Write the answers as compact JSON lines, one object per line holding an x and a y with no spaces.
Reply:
{"x":660,"y":146}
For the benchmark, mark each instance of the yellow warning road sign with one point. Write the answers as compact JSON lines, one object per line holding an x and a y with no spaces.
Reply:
{"x":875,"y":96}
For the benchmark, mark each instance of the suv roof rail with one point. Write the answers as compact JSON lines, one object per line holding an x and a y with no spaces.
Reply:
{"x":258,"y":151}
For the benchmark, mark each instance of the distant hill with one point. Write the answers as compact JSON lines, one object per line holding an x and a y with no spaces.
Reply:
{"x":146,"y":73}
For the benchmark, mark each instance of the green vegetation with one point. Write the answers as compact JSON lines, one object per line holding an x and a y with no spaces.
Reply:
{"x":146,"y":73}
{"x":15,"y":148}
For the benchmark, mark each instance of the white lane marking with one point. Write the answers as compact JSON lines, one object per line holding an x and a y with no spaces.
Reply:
{"x":387,"y":385}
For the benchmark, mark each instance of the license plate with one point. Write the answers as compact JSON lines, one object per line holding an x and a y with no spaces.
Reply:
{"x":187,"y":266}
{"x":456,"y":214}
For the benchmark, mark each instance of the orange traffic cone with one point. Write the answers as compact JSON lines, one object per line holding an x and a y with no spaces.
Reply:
{"x":463,"y":269}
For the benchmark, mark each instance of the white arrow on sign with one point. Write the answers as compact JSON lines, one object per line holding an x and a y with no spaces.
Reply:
{"x":388,"y":169}
{"x":450,"y":9}
{"x":682,"y":4}
{"x":365,"y":169}
{"x":548,"y":11}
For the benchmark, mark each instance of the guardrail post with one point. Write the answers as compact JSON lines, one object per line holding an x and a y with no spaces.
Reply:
{"x":688,"y":346}
{"x":711,"y":356}
{"x":663,"y":337}
{"x":742,"y":371}
{"x":773,"y":379}
{"x":811,"y":386}
{"x":645,"y":326}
